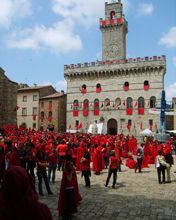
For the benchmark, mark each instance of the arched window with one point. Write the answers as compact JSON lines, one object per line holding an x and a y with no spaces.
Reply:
{"x":50,"y":116}
{"x":75,"y":105}
{"x":129,"y":102}
{"x":141,"y":105}
{"x":107,"y":103}
{"x":141,"y":102}
{"x":126,"y":86}
{"x":129,"y":105}
{"x":117,"y":102}
{"x":152,"y":102}
{"x":84,"y":89}
{"x":146,"y":85}
{"x":42,"y":116}
{"x":86,"y":107}
{"x":98,"y":87}
{"x":96,"y":107}
{"x":75,"y":108}
{"x":112,"y":14}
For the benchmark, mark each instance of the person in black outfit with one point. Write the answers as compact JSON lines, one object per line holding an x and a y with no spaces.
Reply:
{"x":41,"y":172}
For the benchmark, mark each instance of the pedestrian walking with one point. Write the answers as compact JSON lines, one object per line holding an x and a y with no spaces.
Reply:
{"x":113,"y":165}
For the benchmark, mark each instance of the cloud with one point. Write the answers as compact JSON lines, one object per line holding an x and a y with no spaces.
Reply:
{"x":59,"y":38}
{"x":169,"y":39}
{"x":58,"y":85}
{"x":174,"y":61}
{"x":12,"y":10}
{"x":61,"y":85}
{"x":170,"y":91}
{"x":145,"y":9}
{"x":86,"y":13}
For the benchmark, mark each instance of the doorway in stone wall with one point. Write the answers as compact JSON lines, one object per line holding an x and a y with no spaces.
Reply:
{"x":112,"y":126}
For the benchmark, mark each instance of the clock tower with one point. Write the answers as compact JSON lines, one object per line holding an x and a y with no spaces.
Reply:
{"x":114,"y":29}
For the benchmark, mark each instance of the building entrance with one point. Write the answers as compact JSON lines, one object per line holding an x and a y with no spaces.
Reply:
{"x":112,"y":127}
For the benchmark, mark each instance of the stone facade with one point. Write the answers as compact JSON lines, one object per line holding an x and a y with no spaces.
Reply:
{"x":125,"y":89}
{"x":114,"y":29}
{"x":8,"y":100}
{"x":53,"y":112}
{"x":28,"y":103}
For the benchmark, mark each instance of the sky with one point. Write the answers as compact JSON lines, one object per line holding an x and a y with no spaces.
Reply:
{"x":38,"y":37}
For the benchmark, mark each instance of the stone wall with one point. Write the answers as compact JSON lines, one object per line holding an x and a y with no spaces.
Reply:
{"x":8,"y":100}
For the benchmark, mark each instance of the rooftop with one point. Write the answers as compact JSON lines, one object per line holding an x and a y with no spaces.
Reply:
{"x":55,"y":95}
{"x":33,"y":88}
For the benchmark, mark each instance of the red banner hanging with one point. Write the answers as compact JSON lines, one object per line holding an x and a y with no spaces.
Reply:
{"x":129,"y":111}
{"x":96,"y":112}
{"x":85,"y":112}
{"x":141,"y":111}
{"x":75,"y":113}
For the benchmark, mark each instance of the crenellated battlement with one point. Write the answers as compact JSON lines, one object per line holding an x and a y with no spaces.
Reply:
{"x":118,"y":67}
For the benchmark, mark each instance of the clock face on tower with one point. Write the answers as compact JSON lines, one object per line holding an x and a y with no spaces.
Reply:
{"x":112,"y":51}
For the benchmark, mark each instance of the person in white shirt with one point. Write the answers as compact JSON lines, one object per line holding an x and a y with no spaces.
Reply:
{"x":160,"y":160}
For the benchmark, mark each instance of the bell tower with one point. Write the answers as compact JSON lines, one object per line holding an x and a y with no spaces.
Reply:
{"x":114,"y":29}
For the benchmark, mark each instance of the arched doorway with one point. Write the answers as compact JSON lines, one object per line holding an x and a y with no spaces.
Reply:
{"x":112,"y":127}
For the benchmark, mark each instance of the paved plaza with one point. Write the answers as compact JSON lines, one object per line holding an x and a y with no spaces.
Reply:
{"x":137,"y":196}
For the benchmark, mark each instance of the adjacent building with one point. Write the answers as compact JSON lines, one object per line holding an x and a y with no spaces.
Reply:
{"x":8,"y":100}
{"x":53,"y":112}
{"x":118,"y":91}
{"x":28,"y":104}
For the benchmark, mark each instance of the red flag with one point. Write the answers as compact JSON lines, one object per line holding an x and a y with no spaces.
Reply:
{"x":136,"y":103}
{"x":124,"y":103}
{"x":151,"y":127}
{"x":128,"y":127}
{"x":16,"y":108}
{"x":80,"y":126}
{"x":108,"y":103}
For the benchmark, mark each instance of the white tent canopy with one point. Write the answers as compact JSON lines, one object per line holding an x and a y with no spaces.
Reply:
{"x":147,"y":132}
{"x":171,"y":131}
{"x":99,"y":126}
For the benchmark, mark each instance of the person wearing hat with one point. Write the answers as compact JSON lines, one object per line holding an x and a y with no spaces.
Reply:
{"x":113,"y":165}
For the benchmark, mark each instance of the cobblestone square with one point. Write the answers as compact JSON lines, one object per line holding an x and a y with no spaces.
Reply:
{"x":137,"y":196}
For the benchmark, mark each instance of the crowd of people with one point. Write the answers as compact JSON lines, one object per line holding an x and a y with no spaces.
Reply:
{"x":25,"y":151}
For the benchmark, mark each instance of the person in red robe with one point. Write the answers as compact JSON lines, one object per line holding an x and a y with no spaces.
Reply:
{"x":19,"y":199}
{"x":97,"y":159}
{"x":14,"y":159}
{"x":69,"y":196}
{"x":130,"y":162}
{"x":2,"y":162}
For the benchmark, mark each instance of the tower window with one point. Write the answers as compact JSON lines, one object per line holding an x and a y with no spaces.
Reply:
{"x":112,"y":14}
{"x":84,"y":89}
{"x":126,"y":86}
{"x":152,"y":102}
{"x":98,"y":87}
{"x":146,"y":85}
